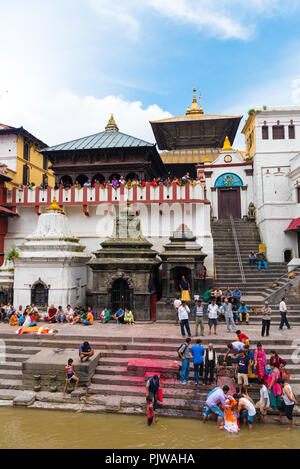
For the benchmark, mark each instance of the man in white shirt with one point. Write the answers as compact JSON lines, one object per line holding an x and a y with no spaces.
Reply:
{"x":176,"y":304}
{"x":183,"y":316}
{"x":264,"y":402}
{"x":246,"y":406}
{"x":283,"y":312}
{"x":213,"y":316}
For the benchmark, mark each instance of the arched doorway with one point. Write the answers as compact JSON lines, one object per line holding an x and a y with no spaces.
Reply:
{"x":131,"y":177}
{"x":82,"y":179}
{"x":120,"y":295}
{"x":67,"y":181}
{"x":176,"y":274}
{"x":39,"y":294}
{"x":229,"y":195}
{"x":98,"y":177}
{"x":287,"y":255}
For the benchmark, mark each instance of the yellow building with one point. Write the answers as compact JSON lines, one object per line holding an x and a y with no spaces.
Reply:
{"x":250,"y":135}
{"x":19,"y":152}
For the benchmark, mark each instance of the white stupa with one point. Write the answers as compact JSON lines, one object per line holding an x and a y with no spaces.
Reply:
{"x":52,"y":264}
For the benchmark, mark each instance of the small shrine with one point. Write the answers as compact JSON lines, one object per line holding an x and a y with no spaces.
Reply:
{"x":51,"y":267}
{"x":124,"y":269}
{"x":181,"y":256}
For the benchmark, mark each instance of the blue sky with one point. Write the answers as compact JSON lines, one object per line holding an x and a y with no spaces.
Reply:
{"x":67,"y":64}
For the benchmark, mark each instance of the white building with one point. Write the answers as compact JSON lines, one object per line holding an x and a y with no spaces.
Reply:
{"x":273,"y":142}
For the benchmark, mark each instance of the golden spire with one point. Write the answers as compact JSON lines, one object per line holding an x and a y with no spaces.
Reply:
{"x":227,"y":145}
{"x":207,"y":160}
{"x":54,"y":206}
{"x":195,"y":109}
{"x":111,"y":126}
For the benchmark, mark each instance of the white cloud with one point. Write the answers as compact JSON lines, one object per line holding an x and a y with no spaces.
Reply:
{"x":61,"y":116}
{"x":224,"y":19}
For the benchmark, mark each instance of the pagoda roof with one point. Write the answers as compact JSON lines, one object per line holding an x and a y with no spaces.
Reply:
{"x":195,"y":129}
{"x":102,"y":140}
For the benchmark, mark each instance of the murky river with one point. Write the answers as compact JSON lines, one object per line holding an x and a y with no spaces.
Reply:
{"x":22,"y":428}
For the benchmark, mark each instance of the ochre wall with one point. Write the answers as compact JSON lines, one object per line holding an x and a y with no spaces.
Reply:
{"x":34,"y":163}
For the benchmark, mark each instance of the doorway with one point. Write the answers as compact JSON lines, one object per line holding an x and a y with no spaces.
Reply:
{"x":39,"y":295}
{"x":120,"y":295}
{"x":229,"y":203}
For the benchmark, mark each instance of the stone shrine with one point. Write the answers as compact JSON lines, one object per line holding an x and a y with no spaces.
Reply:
{"x":182,"y":256}
{"x":124,"y":270}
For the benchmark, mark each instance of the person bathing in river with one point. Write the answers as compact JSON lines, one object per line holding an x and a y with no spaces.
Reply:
{"x":216,"y":397}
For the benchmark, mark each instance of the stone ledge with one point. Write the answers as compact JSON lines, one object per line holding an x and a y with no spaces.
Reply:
{"x":25,"y":399}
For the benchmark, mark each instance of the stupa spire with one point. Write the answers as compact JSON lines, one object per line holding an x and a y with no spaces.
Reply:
{"x":227,"y":145}
{"x":195,"y":108}
{"x":54,"y":206}
{"x":111,"y":126}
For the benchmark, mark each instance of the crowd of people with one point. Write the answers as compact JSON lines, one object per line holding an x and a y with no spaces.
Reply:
{"x":116,"y":182}
{"x":250,"y":367}
{"x":222,"y":306}
{"x":30,"y":315}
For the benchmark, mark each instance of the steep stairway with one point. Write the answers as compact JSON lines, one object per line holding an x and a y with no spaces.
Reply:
{"x":233,"y":242}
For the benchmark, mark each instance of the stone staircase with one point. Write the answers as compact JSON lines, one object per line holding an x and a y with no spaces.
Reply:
{"x":258,"y":284}
{"x":117,"y":385}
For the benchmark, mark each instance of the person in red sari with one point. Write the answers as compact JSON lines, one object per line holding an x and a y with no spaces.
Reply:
{"x":51,"y":315}
{"x":260,"y":362}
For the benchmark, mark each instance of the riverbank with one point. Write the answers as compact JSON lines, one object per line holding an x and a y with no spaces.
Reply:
{"x":28,"y":429}
{"x":124,"y":354}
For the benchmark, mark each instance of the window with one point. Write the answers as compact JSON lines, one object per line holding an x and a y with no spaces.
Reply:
{"x":298,"y":195}
{"x":26,"y":150}
{"x":278,"y":132}
{"x":25,"y":175}
{"x":265,"y":132}
{"x":45,"y":162}
{"x":291,"y":131}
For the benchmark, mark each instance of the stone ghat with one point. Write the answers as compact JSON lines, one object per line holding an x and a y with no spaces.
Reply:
{"x":119,"y":378}
{"x":45,"y":370}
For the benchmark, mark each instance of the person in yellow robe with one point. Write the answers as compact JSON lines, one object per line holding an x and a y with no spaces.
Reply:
{"x":13,"y":320}
{"x":185,"y":288}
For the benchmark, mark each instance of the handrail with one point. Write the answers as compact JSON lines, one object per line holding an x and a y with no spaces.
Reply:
{"x":237,"y":248}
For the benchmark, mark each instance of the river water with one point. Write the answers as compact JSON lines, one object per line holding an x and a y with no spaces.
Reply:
{"x":41,"y":429}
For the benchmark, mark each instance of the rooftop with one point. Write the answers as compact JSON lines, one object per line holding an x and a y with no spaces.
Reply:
{"x":110,"y":138}
{"x":9,"y":130}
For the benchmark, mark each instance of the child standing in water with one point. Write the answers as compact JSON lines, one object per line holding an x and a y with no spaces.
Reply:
{"x":70,"y":375}
{"x":150,"y":411}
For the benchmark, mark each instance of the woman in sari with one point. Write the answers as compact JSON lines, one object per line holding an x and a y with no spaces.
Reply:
{"x":260,"y":362}
{"x":276,"y":360}
{"x":273,"y":387}
{"x":251,"y":368}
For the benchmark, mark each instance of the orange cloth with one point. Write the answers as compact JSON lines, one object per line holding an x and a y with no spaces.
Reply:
{"x":13,"y":321}
{"x":90,"y":318}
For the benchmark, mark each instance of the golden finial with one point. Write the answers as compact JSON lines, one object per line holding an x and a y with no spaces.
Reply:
{"x":54,"y":206}
{"x":207,"y":160}
{"x":111,"y":126}
{"x":195,"y":109}
{"x":227,"y":145}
